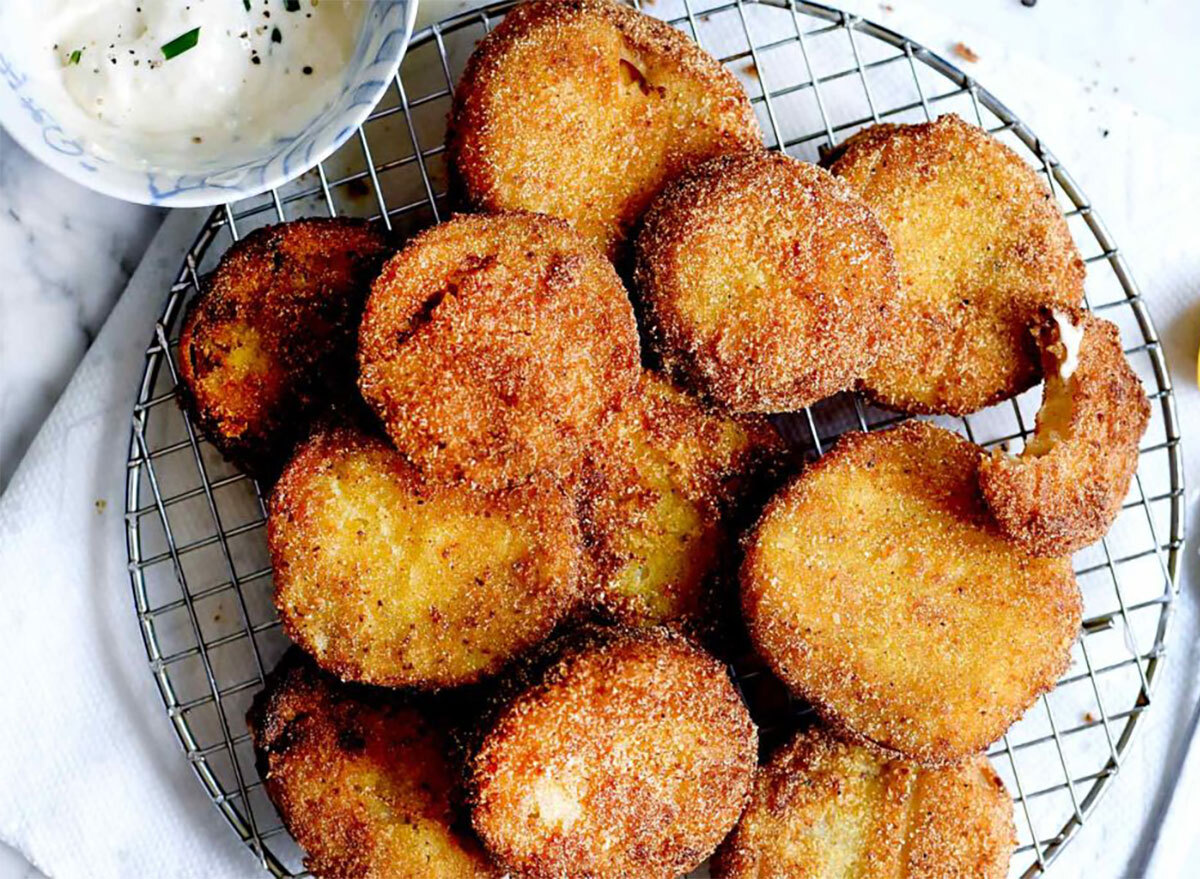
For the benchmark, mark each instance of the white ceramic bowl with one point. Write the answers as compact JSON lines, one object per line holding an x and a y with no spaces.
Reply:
{"x":384,"y":36}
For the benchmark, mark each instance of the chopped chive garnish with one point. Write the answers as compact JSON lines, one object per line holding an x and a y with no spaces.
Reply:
{"x":291,"y":5}
{"x":181,"y":43}
{"x":246,"y":5}
{"x":75,"y":56}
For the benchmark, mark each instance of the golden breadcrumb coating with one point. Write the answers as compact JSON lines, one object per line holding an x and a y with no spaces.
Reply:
{"x":657,"y":495}
{"x":981,"y":245}
{"x":363,"y":782}
{"x":823,"y":807}
{"x":766,"y":281}
{"x":496,"y":346}
{"x":583,"y":109}
{"x":269,"y":339}
{"x":631,"y":755}
{"x":1067,"y":486}
{"x":386,"y":578}
{"x":878,"y":587}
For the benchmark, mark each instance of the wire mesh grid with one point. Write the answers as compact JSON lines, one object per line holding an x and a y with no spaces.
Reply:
{"x":195,"y":525}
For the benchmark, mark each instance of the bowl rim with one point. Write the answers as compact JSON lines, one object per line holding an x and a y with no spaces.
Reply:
{"x":213,"y":194}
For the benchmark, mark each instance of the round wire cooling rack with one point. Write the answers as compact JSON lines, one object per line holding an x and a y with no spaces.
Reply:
{"x":196,"y":526}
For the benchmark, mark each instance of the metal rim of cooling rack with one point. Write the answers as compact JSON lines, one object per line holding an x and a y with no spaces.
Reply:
{"x":158,"y":353}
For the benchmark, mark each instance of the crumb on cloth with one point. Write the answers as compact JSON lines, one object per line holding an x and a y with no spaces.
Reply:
{"x":965,"y":52}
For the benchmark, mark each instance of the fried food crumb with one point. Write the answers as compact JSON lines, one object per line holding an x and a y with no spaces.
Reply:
{"x":965,"y":52}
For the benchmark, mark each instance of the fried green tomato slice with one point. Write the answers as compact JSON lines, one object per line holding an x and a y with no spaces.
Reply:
{"x":386,"y":578}
{"x":496,"y":346}
{"x":630,"y":754}
{"x":824,"y":807}
{"x":362,"y":781}
{"x":1067,"y":486}
{"x":658,"y":491}
{"x":583,"y":109}
{"x":270,"y":338}
{"x":981,"y":246}
{"x":766,"y":281}
{"x":878,"y":587}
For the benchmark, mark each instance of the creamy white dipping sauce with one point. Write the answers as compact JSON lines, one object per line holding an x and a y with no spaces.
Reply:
{"x":252,"y":75}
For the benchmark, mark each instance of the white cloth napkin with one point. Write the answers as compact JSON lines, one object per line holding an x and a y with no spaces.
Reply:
{"x":93,"y":781}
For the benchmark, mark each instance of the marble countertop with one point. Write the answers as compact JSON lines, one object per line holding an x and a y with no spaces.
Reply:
{"x":66,"y":253}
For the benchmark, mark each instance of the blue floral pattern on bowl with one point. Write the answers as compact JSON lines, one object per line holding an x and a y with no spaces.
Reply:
{"x":386,"y":30}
